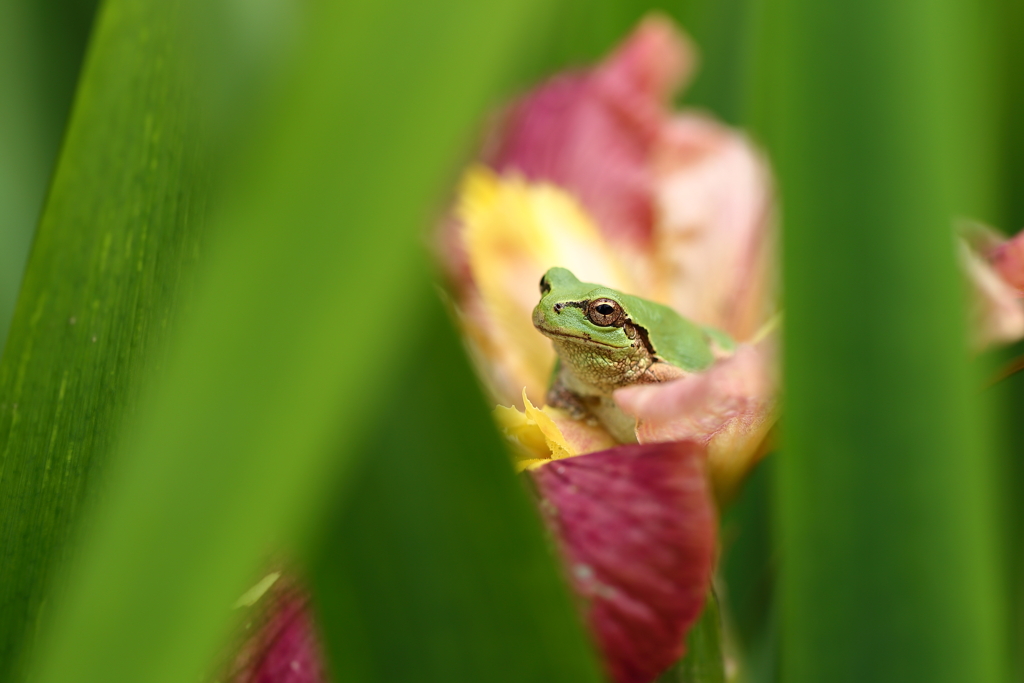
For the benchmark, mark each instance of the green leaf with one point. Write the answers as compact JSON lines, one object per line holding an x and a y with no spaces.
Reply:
{"x":433,"y":569}
{"x":311,"y":298}
{"x":881,"y":129}
{"x":110,"y":261}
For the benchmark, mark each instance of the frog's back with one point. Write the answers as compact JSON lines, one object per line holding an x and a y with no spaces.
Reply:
{"x":673,"y":338}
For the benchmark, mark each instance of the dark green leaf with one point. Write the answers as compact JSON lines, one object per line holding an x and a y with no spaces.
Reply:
{"x":882,"y":124}
{"x":434,"y":569}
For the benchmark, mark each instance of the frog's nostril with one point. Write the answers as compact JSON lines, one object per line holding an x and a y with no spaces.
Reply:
{"x":558,"y":308}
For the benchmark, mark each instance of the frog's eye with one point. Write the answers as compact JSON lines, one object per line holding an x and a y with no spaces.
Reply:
{"x":545,"y":286}
{"x":605,"y":312}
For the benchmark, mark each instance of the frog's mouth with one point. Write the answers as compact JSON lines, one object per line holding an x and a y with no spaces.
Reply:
{"x":587,"y":339}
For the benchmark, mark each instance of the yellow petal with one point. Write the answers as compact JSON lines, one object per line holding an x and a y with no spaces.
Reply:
{"x":539,"y":435}
{"x":513,"y":231}
{"x":558,"y":446}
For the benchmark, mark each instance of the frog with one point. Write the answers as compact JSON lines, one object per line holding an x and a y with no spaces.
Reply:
{"x":606,"y":340}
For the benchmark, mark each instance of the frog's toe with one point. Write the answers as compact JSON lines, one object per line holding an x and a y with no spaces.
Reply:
{"x":560,"y":397}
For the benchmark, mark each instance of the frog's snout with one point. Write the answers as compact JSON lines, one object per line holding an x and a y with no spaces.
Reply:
{"x":538,"y":316}
{"x":541,"y":313}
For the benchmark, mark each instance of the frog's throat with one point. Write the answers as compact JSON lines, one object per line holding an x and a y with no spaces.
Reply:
{"x":588,"y":340}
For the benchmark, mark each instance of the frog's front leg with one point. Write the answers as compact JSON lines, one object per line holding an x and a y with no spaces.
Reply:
{"x":561,"y":396}
{"x":593,"y":409}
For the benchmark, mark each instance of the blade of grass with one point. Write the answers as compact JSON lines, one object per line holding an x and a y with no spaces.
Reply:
{"x":305,"y":313}
{"x":885,"y":494}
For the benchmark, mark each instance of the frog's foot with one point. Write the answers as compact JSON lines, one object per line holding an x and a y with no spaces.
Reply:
{"x":560,"y":396}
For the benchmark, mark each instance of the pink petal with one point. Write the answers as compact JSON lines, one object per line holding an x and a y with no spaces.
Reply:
{"x":1008,"y":259}
{"x":714,"y":241}
{"x":729,"y":409}
{"x":636,"y":525}
{"x":995,"y":270}
{"x":593,"y":132}
{"x":284,"y":646}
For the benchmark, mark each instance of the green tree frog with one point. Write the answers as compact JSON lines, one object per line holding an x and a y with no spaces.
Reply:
{"x":607,"y":340}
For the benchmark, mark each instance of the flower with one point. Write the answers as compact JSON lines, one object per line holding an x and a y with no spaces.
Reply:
{"x":637,"y":529}
{"x":591,"y":171}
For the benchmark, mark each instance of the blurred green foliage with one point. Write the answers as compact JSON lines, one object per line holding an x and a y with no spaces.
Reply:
{"x":1009,"y":394}
{"x":883,"y":132}
{"x":41,"y":47}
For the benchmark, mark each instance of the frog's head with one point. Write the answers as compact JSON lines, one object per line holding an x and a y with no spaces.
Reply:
{"x":574,"y":312}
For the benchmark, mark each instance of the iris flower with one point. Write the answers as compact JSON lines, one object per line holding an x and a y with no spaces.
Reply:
{"x":594,"y":172}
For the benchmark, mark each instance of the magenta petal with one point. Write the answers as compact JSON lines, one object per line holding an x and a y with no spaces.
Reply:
{"x":593,"y":132}
{"x":284,"y":646}
{"x":636,"y":526}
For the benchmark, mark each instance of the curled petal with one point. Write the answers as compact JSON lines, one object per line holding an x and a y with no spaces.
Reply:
{"x":729,"y":409}
{"x":539,"y":435}
{"x":593,"y":132}
{"x":513,"y":232}
{"x":995,"y":269}
{"x":636,"y":526}
{"x":713,"y":241}
{"x":282,"y":645}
